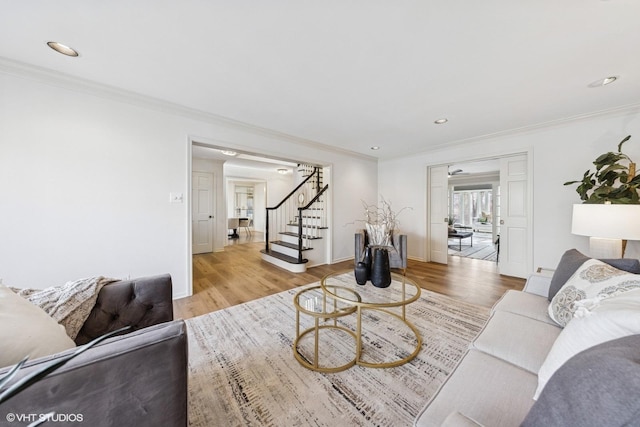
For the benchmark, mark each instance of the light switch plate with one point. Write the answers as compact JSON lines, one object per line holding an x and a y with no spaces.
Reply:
{"x":175,"y":198}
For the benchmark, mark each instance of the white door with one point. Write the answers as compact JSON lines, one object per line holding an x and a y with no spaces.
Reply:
{"x":202,"y":212}
{"x":514,"y":258}
{"x":438,"y":213}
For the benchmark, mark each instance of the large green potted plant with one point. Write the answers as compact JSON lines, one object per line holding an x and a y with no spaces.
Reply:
{"x":613,"y":181}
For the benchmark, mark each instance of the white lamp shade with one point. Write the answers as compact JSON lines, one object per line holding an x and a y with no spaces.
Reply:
{"x":607,"y":221}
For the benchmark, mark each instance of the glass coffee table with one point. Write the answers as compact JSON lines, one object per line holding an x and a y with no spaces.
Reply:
{"x":387,"y":304}
{"x":321,"y":307}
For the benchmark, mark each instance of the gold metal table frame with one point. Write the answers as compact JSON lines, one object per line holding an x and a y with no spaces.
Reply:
{"x":326,"y":315}
{"x":358,"y":304}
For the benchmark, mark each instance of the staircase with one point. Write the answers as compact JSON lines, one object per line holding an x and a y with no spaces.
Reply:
{"x":296,"y":226}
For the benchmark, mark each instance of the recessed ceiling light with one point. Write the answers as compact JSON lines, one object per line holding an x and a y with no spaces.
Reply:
{"x":604,"y":82}
{"x":60,"y":48}
{"x":228,"y":152}
{"x":375,"y":147}
{"x":283,"y":171}
{"x":441,"y":121}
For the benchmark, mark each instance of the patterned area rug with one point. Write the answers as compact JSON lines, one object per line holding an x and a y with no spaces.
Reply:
{"x":243,"y":372}
{"x":483,"y":248}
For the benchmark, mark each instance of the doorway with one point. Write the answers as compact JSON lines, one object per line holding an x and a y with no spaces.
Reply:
{"x":491,"y":197}
{"x":474,"y":210}
{"x":246,"y":201}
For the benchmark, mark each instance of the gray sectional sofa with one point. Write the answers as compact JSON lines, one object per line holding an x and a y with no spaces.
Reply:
{"x":495,"y":382}
{"x":139,"y":378}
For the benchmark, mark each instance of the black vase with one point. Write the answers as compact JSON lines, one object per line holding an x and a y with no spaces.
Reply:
{"x":361,"y":273}
{"x":367,"y":260}
{"x":380,"y":269}
{"x":363,"y":268}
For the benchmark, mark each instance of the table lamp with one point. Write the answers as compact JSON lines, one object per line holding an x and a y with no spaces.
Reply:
{"x":608,"y":226}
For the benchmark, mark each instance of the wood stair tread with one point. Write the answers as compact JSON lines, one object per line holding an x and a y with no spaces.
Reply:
{"x":283,"y":257}
{"x":289,"y":245}
{"x":288,"y":233}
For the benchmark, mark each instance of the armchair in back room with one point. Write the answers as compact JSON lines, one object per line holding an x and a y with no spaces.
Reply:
{"x":397,"y":256}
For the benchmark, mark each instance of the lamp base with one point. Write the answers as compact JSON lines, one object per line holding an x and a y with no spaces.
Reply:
{"x":605,"y":248}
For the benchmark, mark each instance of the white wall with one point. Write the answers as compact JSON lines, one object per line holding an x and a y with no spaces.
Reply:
{"x":85,"y":177}
{"x":561,"y":153}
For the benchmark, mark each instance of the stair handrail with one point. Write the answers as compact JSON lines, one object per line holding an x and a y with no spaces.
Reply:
{"x":288,"y":196}
{"x":316,"y":171}
{"x":303,"y":208}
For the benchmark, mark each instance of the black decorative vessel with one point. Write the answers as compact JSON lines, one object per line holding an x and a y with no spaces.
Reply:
{"x":380,"y":269}
{"x":363,"y":268}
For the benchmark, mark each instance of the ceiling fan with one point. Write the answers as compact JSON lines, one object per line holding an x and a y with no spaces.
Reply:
{"x":457,"y":172}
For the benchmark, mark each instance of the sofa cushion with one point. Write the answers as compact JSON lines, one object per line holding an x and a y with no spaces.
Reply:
{"x":606,"y":396}
{"x":525,"y":304}
{"x":592,"y":281}
{"x":456,"y":419}
{"x":485,"y":389}
{"x":573,"y":259}
{"x":519,"y":340}
{"x":26,"y":330}
{"x":612,"y":318}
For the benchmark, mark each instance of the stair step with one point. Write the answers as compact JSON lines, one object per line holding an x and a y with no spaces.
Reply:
{"x":295,"y":224}
{"x":288,"y":233}
{"x":289,"y":245}
{"x":283,"y":257}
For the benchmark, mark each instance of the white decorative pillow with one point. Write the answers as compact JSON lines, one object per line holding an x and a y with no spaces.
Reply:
{"x":26,"y":330}
{"x":592,"y":282}
{"x":610,"y":318}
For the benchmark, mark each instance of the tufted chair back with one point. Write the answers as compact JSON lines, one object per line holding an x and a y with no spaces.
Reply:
{"x":137,"y":303}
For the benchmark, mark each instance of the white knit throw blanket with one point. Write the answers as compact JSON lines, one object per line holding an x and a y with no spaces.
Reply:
{"x":69,"y":304}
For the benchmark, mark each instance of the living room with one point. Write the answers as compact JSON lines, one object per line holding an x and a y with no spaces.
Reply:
{"x":96,"y":151}
{"x":91,"y":159}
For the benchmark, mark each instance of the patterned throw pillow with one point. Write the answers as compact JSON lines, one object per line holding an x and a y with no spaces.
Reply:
{"x":591,"y":283}
{"x":614,"y":317}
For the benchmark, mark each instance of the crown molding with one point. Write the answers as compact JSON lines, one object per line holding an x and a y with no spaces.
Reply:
{"x":78,"y":84}
{"x":616,"y":111}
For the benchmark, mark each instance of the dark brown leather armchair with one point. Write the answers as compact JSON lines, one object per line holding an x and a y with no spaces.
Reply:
{"x":135,"y":379}
{"x":137,"y":303}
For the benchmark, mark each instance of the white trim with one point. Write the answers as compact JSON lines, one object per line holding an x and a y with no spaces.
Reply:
{"x":621,"y":110}
{"x":189,"y":202}
{"x":66,"y":81}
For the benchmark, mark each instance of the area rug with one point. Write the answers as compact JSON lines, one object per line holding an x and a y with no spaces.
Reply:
{"x":242,"y":371}
{"x":483,"y":248}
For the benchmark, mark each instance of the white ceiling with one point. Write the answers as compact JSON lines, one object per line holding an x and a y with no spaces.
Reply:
{"x":348,"y":74}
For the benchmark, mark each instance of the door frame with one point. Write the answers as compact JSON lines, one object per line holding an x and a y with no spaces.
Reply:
{"x":191,"y":141}
{"x":503,"y":154}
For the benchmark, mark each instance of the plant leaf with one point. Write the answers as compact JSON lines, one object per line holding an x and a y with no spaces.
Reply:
{"x":42,"y":419}
{"x":622,"y":142}
{"x":12,"y":373}
{"x":608,"y":159}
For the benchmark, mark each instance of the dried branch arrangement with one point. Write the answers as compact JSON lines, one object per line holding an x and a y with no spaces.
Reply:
{"x":380,"y":221}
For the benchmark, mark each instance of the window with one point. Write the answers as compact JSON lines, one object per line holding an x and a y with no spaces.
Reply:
{"x":470,"y":207}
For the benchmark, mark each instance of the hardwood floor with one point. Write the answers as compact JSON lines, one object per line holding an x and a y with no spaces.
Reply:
{"x":237,"y":275}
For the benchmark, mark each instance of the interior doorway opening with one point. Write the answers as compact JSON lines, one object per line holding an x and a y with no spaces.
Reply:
{"x":510,"y":220}
{"x":474,"y":210}
{"x":245,"y":184}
